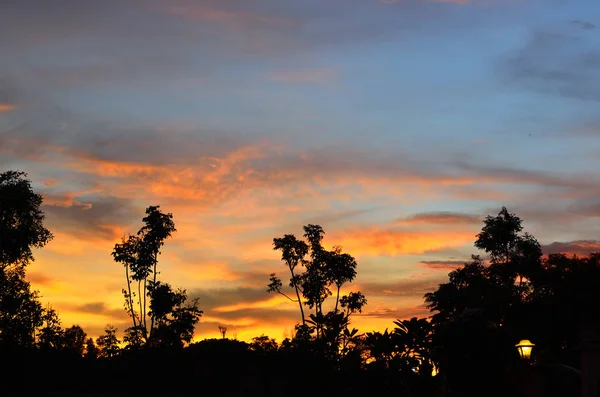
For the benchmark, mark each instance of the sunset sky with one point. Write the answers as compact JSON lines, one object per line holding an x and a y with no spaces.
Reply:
{"x":396,"y":125}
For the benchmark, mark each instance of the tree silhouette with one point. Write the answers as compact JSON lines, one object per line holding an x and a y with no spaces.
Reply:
{"x":21,"y":229}
{"x":293,"y":252}
{"x":175,"y":320}
{"x":172,"y":321}
{"x":51,"y":335}
{"x":20,"y":309}
{"x":91,"y":350}
{"x":563,"y":299}
{"x":323,"y":270}
{"x":21,"y":220}
{"x":75,"y":340}
{"x":486,"y":307}
{"x":108,"y":343}
{"x":519,"y":253}
{"x":139,"y":256}
{"x":515,"y":264}
{"x":264,"y":344}
{"x":414,"y":341}
{"x":222,"y":331}
{"x":381,"y":348}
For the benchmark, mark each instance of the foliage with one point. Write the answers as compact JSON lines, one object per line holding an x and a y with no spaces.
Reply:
{"x":51,"y":335}
{"x":171,"y":320}
{"x":414,"y":339}
{"x":264,"y":344}
{"x":21,"y":220}
{"x":21,"y":229}
{"x":223,"y":331}
{"x":108,"y":344}
{"x":495,"y":288}
{"x":20,"y":309}
{"x":75,"y":340}
{"x":91,"y":350}
{"x":174,"y":319}
{"x":486,"y":307}
{"x":325,"y":272}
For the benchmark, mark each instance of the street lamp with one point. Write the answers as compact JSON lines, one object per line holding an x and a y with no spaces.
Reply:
{"x":525,"y":347}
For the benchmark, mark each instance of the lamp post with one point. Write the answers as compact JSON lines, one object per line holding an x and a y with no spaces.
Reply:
{"x":540,"y":373}
{"x":525,"y":347}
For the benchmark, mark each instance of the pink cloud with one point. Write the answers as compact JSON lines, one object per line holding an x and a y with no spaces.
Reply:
{"x":7,"y":107}
{"x":579,"y":247}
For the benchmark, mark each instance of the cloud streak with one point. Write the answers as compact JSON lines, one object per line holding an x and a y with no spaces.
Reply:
{"x":441,"y":217}
{"x":559,"y":62}
{"x":443,"y":265}
{"x":7,"y":107}
{"x":579,"y":247}
{"x":380,"y":241}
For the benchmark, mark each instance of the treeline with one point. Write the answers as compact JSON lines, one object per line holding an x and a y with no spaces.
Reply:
{"x":466,"y":348}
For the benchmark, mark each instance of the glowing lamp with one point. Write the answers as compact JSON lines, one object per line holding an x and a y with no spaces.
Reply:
{"x":525,"y":347}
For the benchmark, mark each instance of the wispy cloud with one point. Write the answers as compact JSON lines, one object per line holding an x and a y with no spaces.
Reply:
{"x":101,"y":309}
{"x":38,"y":278}
{"x":561,"y":61}
{"x":402,"y":287}
{"x":91,"y":216}
{"x":443,"y":265}
{"x":441,"y":217}
{"x":391,"y":314}
{"x":584,"y":24}
{"x":7,"y":107}
{"x":579,"y":247}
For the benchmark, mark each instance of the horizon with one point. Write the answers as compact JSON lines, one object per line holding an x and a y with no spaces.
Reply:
{"x":396,"y":126}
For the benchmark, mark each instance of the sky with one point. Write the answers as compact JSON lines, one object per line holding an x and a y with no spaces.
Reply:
{"x":396,"y":125}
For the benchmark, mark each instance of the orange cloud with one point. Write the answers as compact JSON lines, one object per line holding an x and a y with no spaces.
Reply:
{"x":75,"y":244}
{"x":242,"y":177}
{"x":38,"y":278}
{"x":271,"y":302}
{"x":7,"y":107}
{"x":66,"y":200}
{"x":201,"y":270}
{"x":377,"y":241}
{"x":208,"y":180}
{"x":46,"y":284}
